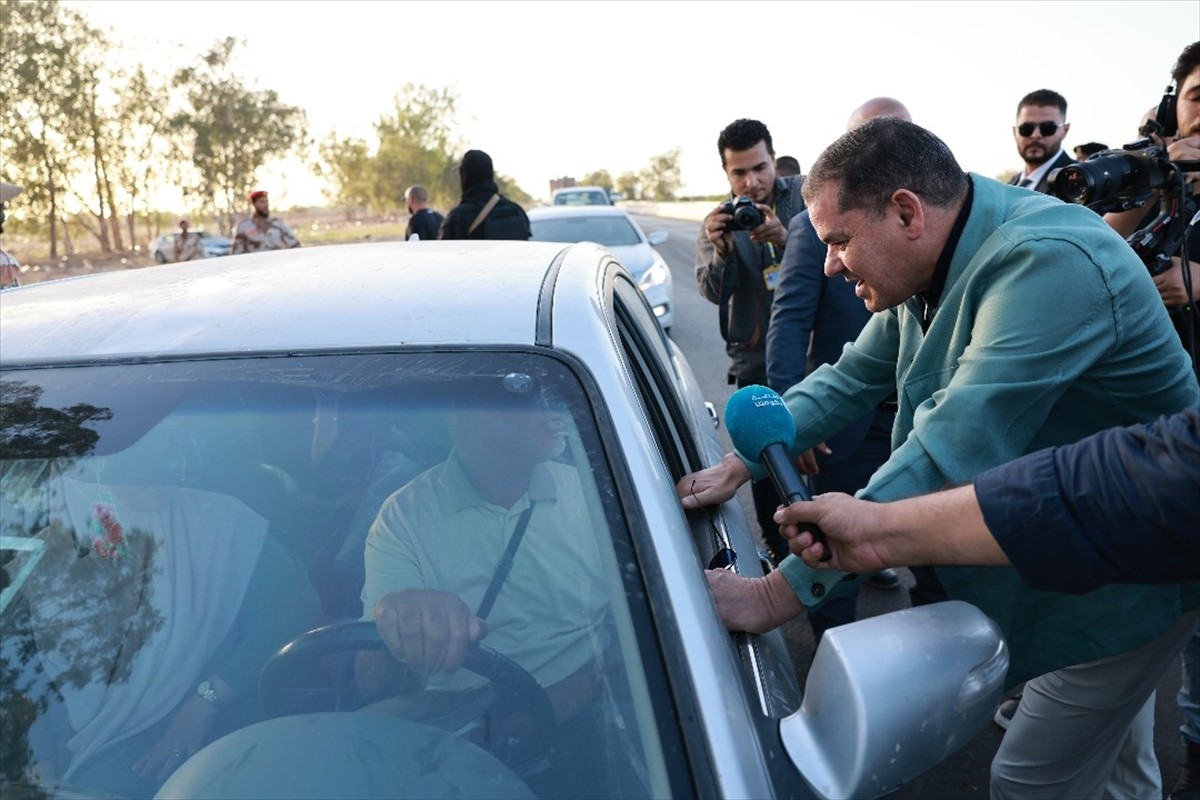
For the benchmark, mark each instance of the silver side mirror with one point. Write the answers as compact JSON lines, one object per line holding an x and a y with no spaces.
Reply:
{"x":658,"y":237}
{"x":889,"y":697}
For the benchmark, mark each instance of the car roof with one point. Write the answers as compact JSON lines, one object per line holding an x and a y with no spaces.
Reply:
{"x":569,"y":189}
{"x":576,"y":211}
{"x":343,"y":296}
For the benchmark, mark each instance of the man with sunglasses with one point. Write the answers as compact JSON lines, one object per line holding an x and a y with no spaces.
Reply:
{"x":1040,"y":129}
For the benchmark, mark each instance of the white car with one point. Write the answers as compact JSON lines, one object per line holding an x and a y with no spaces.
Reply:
{"x":581,"y":196}
{"x":613,"y":228}
{"x":162,"y":249}
{"x":192,"y":466}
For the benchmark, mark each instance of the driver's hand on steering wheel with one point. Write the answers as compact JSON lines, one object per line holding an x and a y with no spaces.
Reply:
{"x":426,"y":629}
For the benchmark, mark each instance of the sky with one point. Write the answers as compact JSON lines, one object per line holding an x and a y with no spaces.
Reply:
{"x":565,"y":88}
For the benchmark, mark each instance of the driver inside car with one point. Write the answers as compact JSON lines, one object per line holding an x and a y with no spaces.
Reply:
{"x":487,"y":547}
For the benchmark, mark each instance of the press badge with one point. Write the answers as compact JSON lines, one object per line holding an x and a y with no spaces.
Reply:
{"x":771,"y":277}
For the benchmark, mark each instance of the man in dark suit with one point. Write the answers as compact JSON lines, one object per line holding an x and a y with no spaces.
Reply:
{"x":1039,"y":131}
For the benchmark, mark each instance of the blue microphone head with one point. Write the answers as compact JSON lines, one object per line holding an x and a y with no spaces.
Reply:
{"x":755,"y":417}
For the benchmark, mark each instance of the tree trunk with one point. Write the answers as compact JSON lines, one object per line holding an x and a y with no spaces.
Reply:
{"x":130,"y":220}
{"x":69,"y":246}
{"x":101,"y":231}
{"x":53,"y":211}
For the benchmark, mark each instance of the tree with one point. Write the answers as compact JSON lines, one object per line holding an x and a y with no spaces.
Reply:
{"x":232,"y":129}
{"x":416,"y":143}
{"x":149,"y":154}
{"x":42,"y":81}
{"x":345,"y":164}
{"x":599,"y":178}
{"x":662,"y":178}
{"x":630,"y":185}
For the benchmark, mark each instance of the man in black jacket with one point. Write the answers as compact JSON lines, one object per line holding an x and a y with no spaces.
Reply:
{"x":423,"y":220}
{"x":483,"y":212}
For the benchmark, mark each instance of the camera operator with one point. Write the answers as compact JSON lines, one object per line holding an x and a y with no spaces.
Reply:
{"x":738,"y":255}
{"x":1179,"y":290}
{"x":1178,"y":284}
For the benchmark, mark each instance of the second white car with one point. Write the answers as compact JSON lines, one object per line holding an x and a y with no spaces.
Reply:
{"x":614,"y":229}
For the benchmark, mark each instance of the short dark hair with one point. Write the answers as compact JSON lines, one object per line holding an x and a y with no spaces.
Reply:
{"x":1091,"y":148}
{"x":872,"y":161}
{"x":787,"y":165}
{"x":1187,"y":62}
{"x":1044,"y":97}
{"x":743,"y":134}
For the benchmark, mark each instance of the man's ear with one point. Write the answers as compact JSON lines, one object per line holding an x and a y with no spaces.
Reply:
{"x":910,"y":212}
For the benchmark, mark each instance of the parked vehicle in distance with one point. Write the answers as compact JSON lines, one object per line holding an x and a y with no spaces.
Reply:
{"x":163,"y":247}
{"x":581,"y":196}
{"x":197,"y":464}
{"x":620,"y":233}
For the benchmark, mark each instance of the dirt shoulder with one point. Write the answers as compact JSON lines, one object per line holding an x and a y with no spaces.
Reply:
{"x":81,"y":264}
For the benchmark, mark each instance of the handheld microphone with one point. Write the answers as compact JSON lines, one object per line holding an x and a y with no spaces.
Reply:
{"x":762,"y":428}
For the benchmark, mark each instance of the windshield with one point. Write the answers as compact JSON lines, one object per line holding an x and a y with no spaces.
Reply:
{"x":583,"y":197}
{"x":168,"y":528}
{"x":606,"y":230}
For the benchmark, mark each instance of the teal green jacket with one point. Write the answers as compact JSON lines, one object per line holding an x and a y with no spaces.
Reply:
{"x":1048,"y":329}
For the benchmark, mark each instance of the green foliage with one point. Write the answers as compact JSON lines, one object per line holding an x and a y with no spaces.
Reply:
{"x":599,"y":178}
{"x":661,"y":179}
{"x":345,"y":164}
{"x":630,"y":185}
{"x":509,"y":188}
{"x":43,"y":69}
{"x":416,"y":143}
{"x":232,"y":129}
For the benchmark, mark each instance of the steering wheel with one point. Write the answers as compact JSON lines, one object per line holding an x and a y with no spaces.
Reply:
{"x":514,"y":689}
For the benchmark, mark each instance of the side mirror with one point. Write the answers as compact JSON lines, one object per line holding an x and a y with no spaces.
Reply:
{"x":889,"y":697}
{"x":657,"y":238}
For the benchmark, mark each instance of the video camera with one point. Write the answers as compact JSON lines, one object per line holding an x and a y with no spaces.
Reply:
{"x":746,"y":215}
{"x":1125,"y":178}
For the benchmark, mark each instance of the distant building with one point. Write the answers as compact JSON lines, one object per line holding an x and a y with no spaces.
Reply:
{"x":561,"y":183}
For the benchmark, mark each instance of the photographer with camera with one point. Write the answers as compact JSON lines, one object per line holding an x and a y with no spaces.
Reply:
{"x":1176,"y":270}
{"x":738,"y":255}
{"x":1169,"y":184}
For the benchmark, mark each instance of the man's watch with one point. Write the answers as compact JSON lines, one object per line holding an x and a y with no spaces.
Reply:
{"x":206,"y":690}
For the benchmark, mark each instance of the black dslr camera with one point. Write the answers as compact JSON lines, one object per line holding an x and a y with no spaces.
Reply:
{"x":745,"y":216}
{"x":1115,"y":180}
{"x":1124,"y":178}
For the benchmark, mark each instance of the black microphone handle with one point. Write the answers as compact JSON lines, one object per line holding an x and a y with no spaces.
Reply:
{"x":790,"y":486}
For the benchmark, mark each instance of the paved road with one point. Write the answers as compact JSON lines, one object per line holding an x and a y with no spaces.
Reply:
{"x":964,"y":775}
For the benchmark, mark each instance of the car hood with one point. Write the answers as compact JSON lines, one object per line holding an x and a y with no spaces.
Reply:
{"x":636,"y":258}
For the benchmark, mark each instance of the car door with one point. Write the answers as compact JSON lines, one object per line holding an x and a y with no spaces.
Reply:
{"x":683,"y":429}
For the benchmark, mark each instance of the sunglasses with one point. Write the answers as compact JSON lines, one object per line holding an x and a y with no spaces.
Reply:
{"x":1046,"y":128}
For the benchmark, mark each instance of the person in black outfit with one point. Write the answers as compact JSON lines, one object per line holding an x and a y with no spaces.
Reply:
{"x":483,"y":213}
{"x":423,"y":220}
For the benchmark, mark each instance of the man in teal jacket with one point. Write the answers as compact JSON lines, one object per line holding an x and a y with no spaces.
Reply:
{"x":1010,"y":322}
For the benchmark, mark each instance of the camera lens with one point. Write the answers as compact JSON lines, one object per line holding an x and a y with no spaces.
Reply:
{"x":1074,"y":186}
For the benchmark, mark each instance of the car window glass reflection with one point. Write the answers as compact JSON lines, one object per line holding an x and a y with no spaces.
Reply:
{"x":161,"y":547}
